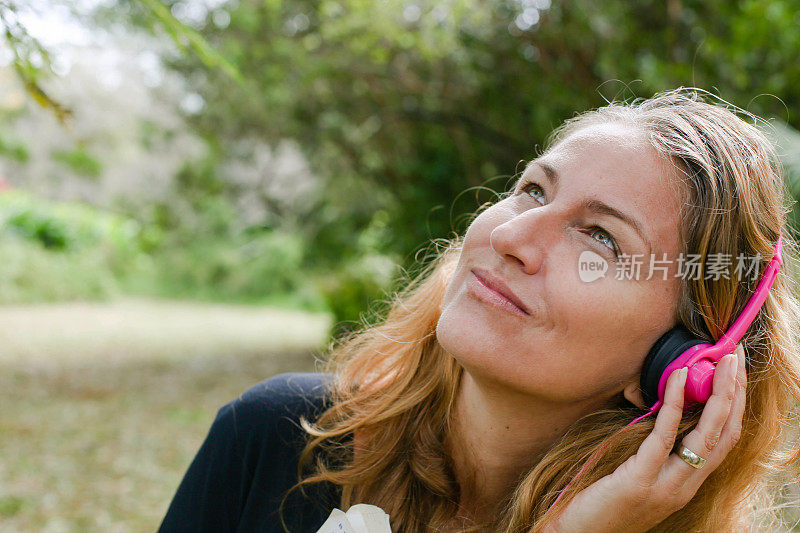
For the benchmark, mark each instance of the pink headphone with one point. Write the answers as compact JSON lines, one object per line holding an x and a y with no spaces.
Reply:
{"x":678,"y":348}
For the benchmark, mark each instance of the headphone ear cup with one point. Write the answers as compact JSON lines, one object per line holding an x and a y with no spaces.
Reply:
{"x":667,"y":348}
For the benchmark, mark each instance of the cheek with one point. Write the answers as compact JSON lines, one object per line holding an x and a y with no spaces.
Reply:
{"x":589,"y":305}
{"x":614,"y":323}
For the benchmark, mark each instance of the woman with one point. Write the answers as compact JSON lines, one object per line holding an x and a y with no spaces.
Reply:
{"x":463,"y":410}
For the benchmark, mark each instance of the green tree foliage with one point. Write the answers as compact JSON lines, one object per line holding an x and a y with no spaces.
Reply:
{"x":79,"y":161}
{"x":402,"y":105}
{"x":31,"y":60}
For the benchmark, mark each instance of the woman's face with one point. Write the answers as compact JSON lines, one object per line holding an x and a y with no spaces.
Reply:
{"x":580,"y":340}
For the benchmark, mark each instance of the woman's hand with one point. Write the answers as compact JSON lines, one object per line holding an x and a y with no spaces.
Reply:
{"x":656,"y":482}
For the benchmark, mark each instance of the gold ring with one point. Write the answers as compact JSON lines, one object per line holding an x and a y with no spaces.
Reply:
{"x":691,"y":458}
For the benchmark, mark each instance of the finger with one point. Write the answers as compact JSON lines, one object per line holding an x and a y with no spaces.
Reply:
{"x":703,"y":439}
{"x":733,"y":426}
{"x":732,"y":429}
{"x":655,"y":449}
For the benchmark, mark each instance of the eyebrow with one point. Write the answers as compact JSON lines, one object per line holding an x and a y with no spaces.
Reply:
{"x":597,"y":206}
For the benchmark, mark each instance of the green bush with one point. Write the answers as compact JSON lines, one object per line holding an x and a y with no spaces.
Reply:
{"x":63,"y":251}
{"x":49,"y":232}
{"x":261,"y":268}
{"x":31,"y":273}
{"x":359,"y":286}
{"x":66,"y":225}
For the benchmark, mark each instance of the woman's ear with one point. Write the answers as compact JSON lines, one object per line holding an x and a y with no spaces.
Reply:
{"x":633,"y":393}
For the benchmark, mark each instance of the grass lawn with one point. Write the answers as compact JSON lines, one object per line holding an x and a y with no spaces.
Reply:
{"x":104,"y":405}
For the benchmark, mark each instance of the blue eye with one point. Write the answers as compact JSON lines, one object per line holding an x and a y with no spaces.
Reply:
{"x":611,"y":243}
{"x":530,"y":185}
{"x":537,"y":193}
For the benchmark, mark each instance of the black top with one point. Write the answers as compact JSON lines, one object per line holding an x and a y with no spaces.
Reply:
{"x":249,"y":460}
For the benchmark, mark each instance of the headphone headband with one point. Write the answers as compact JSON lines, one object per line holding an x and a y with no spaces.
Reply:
{"x":737,"y":330}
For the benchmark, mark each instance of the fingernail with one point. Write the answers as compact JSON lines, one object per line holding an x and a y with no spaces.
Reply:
{"x":682,"y":376}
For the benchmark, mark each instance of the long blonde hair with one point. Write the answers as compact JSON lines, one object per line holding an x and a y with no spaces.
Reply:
{"x":394,"y":386}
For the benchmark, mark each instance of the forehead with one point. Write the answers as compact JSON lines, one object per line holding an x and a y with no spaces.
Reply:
{"x":617,"y":164}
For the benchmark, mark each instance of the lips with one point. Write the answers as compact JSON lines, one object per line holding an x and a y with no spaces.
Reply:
{"x":496,"y":284}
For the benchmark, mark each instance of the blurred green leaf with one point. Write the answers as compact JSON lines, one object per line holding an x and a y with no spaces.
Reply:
{"x":188,"y":38}
{"x":79,"y":161}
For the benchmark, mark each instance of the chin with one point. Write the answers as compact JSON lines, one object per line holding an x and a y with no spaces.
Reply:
{"x":470,"y":345}
{"x":457,"y":337}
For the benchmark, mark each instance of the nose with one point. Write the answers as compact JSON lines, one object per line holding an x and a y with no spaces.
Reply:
{"x":524,"y":238}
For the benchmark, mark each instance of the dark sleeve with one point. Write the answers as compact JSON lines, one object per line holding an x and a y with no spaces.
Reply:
{"x":249,"y":459}
{"x":209,"y":497}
